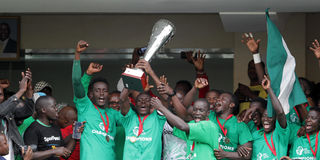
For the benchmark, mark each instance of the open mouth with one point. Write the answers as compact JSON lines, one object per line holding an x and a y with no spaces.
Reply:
{"x":308,"y":126}
{"x":101,"y":100}
{"x":266,"y":125}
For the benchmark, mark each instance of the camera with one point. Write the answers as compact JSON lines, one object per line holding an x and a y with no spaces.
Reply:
{"x":141,"y":51}
{"x":33,"y":148}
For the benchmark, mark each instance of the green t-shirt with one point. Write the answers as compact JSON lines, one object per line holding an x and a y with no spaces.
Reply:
{"x":252,"y":127}
{"x":119,"y":142}
{"x":26,"y":123}
{"x":93,"y":143}
{"x":294,"y":128}
{"x":237,"y":133}
{"x":294,"y":118}
{"x":205,"y":135}
{"x":301,"y":148}
{"x":148,"y":145}
{"x":260,"y":148}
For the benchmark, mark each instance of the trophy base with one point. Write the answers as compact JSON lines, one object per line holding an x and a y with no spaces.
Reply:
{"x":134,"y":79}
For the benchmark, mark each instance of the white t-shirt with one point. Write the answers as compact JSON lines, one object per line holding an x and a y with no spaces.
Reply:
{"x":9,"y":156}
{"x":174,"y":148}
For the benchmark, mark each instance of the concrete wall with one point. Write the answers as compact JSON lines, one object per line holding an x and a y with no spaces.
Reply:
{"x":129,"y":31}
{"x":313,"y":32}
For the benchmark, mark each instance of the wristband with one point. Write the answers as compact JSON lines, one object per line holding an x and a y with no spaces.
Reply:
{"x":173,"y":94}
{"x":256,"y":58}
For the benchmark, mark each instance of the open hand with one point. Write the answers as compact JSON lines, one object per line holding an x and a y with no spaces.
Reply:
{"x":252,"y":44}
{"x":156,"y":103}
{"x":28,"y":154}
{"x":163,"y":79}
{"x":244,"y":151}
{"x":315,"y":48}
{"x":165,"y":89}
{"x":220,"y":154}
{"x":94,"y":68}
{"x":26,"y":76}
{"x":148,"y":85}
{"x":197,"y":61}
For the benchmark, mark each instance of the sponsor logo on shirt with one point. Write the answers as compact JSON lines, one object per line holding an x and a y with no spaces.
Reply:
{"x":52,"y":138}
{"x":300,"y":150}
{"x":136,"y":130}
{"x":101,"y":126}
{"x":224,"y":147}
{"x":294,"y":117}
{"x":262,"y":156}
{"x":148,"y":139}
{"x":101,"y":133}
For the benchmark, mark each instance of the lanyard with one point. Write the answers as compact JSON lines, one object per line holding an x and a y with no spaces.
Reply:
{"x":295,"y":109}
{"x":314,"y":152}
{"x":224,"y":131}
{"x":141,"y":124}
{"x":106,"y":126}
{"x":257,"y":128}
{"x":272,"y":149}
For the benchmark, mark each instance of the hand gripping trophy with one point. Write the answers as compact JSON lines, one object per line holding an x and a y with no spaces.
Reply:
{"x":134,"y":78}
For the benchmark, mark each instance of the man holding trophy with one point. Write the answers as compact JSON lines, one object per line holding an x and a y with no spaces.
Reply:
{"x":143,"y":127}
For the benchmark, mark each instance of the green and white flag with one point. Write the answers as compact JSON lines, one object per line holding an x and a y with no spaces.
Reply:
{"x":281,"y":69}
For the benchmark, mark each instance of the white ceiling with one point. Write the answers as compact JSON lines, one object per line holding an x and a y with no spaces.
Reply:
{"x":156,"y":6}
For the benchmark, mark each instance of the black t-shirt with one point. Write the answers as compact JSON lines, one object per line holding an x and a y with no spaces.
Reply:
{"x":44,"y":137}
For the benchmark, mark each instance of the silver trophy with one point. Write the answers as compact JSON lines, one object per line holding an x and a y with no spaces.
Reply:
{"x":162,"y":31}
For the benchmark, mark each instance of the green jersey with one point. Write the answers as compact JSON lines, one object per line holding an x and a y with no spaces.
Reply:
{"x":204,"y":136}
{"x":280,"y":138}
{"x":149,"y":143}
{"x":26,"y":123}
{"x":300,"y":149}
{"x":237,"y":133}
{"x":252,"y":127}
{"x":293,"y":116}
{"x":93,"y":143}
{"x":119,"y":141}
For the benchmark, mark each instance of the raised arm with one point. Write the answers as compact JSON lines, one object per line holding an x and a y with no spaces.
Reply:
{"x":78,"y":89}
{"x":143,"y":64}
{"x":199,"y":84}
{"x":171,"y":118}
{"x":124,"y":101}
{"x":281,"y":117}
{"x":86,"y":78}
{"x":198,"y":63}
{"x":253,"y":46}
{"x":178,"y":106}
{"x":10,"y":104}
{"x":315,"y":48}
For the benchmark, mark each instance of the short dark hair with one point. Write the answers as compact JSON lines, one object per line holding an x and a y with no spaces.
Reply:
{"x":185,"y":85}
{"x":261,"y":101}
{"x":214,"y":90}
{"x":41,"y":103}
{"x":317,"y":109}
{"x":97,"y":79}
{"x":142,"y":93}
{"x":204,"y":101}
{"x":234,"y":100}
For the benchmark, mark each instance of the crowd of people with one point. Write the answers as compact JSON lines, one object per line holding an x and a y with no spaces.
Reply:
{"x":185,"y":121}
